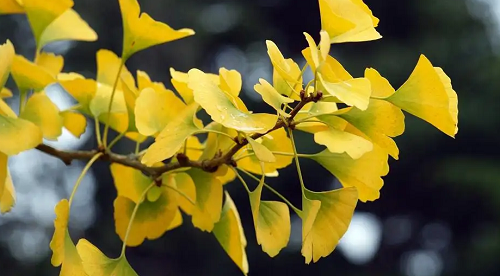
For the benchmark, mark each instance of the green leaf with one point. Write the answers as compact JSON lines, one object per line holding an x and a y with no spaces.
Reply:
{"x":96,"y":263}
{"x":261,"y":152}
{"x":229,"y":233}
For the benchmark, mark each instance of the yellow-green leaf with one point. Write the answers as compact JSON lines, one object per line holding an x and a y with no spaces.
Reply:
{"x":63,"y":249}
{"x":7,"y":53}
{"x":96,"y":263}
{"x":354,"y":92}
{"x":261,"y":152}
{"x":363,"y":173}
{"x":129,"y":182}
{"x":287,"y":88}
{"x":186,"y":185}
{"x":330,"y":222}
{"x":68,"y":26}
{"x":280,"y":63}
{"x":29,"y":75}
{"x":152,"y":219}
{"x":272,"y":97}
{"x":74,"y":122}
{"x":348,"y":21}
{"x":338,"y":141}
{"x":272,"y":222}
{"x":222,"y":109}
{"x":7,"y":191}
{"x":44,"y":113}
{"x":428,"y":94}
{"x":83,"y":90}
{"x":18,"y":135}
{"x":155,"y":108}
{"x":142,"y":31}
{"x":208,"y":200}
{"x":172,"y":137}
{"x":229,"y":233}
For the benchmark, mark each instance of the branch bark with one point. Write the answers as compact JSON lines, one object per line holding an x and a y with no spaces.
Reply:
{"x":209,"y":165}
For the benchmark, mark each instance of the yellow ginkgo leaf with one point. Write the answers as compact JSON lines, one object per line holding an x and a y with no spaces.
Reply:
{"x":63,"y":248}
{"x":177,"y":221}
{"x":274,"y":141}
{"x":155,"y":108}
{"x":287,"y":88}
{"x":11,"y":7}
{"x":354,"y":92}
{"x":222,"y":109}
{"x":280,"y":63}
{"x":428,"y":94}
{"x":348,"y":21}
{"x":7,"y":53}
{"x":261,"y":152}
{"x":338,"y":141}
{"x":18,"y":135}
{"x":229,"y":233}
{"x":180,"y":82}
{"x":140,"y":31}
{"x":194,"y":149}
{"x":330,"y":222}
{"x":68,"y":26}
{"x":44,"y":113}
{"x":208,"y":199}
{"x":363,"y":173}
{"x":83,"y":90}
{"x":29,"y":75}
{"x":216,"y":142}
{"x":272,"y":222}
{"x":7,"y":192}
{"x":40,"y":15}
{"x":96,"y":263}
{"x":272,"y":97}
{"x":225,"y":175}
{"x":74,"y":122}
{"x":379,"y":121}
{"x":108,"y":65}
{"x":317,"y":56}
{"x":129,"y":182}
{"x":51,"y":62}
{"x":230,"y":81}
{"x":152,"y":219}
{"x":5,"y":93}
{"x":381,"y":88}
{"x":172,"y":137}
{"x":186,"y":185}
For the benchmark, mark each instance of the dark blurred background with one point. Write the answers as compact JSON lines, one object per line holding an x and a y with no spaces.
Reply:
{"x":439,"y":211}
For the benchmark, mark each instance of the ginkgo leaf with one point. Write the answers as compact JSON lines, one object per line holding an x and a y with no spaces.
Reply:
{"x":152,"y":218}
{"x":129,"y":182}
{"x":80,"y":88}
{"x":338,"y":141}
{"x":67,"y":26}
{"x":224,"y":174}
{"x":63,"y":249}
{"x":379,"y":121}
{"x":273,"y":141}
{"x":272,"y":222}
{"x":317,"y":56}
{"x":29,"y":75}
{"x":222,"y":110}
{"x":363,"y":173}
{"x":287,"y":88}
{"x":194,"y":149}
{"x":7,"y":53}
{"x":18,"y":135}
{"x":108,"y":65}
{"x":7,"y":191}
{"x":11,"y":7}
{"x":428,"y":94}
{"x":330,"y":222}
{"x":96,"y":263}
{"x":272,"y":97}
{"x":51,"y":62}
{"x":172,"y":137}
{"x":354,"y":92}
{"x":44,"y":113}
{"x":381,"y":88}
{"x":208,"y":199}
{"x":180,"y":82}
{"x":280,"y":63}
{"x":177,"y":221}
{"x":142,"y":31}
{"x":348,"y":21}
{"x":261,"y":152}
{"x":186,"y":185}
{"x":40,"y":15}
{"x":229,"y":233}
{"x":5,"y":93}
{"x":230,"y":81}
{"x":155,"y":108}
{"x":74,"y":122}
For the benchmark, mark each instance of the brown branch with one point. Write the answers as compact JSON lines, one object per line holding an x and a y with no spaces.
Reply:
{"x":209,"y":165}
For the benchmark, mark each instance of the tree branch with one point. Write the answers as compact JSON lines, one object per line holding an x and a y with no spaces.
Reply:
{"x":209,"y":165}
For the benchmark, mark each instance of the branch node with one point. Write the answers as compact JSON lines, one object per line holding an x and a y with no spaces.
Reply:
{"x":182,"y":159}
